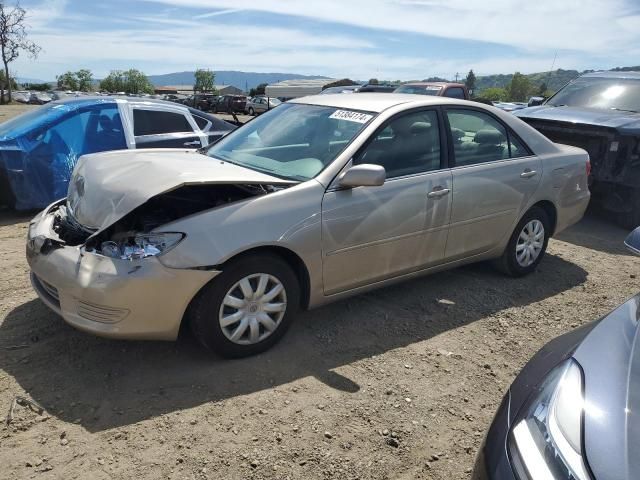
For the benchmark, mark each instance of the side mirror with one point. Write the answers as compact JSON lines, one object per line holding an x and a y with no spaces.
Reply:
{"x":365,"y":175}
{"x":633,"y":241}
{"x":535,"y":101}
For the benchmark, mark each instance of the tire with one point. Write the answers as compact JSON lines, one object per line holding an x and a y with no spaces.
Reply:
{"x":252,"y":112}
{"x":208,"y":308}
{"x":509,"y":263}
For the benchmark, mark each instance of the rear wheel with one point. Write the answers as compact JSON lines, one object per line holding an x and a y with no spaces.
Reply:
{"x":252,"y":112}
{"x":247,"y":308}
{"x":527,"y":245}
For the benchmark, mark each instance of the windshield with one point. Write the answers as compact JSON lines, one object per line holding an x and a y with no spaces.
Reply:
{"x":612,"y":93}
{"x":293,"y":141}
{"x":420,"y":90}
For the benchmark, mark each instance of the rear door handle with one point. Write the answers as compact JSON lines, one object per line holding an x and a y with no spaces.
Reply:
{"x":195,"y":142}
{"x":438,"y":192}
{"x":528,"y":173}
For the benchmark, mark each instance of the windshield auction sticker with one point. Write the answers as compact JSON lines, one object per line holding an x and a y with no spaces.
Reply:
{"x":351,"y":116}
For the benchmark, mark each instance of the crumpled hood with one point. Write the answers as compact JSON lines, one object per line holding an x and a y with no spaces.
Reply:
{"x":586,"y":116}
{"x":610,"y":358}
{"x":106,"y":186}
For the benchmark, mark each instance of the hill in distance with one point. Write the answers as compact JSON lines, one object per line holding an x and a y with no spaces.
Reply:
{"x":242,"y":80}
{"x":554,"y":79}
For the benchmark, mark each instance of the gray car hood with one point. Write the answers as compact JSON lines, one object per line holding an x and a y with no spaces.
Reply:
{"x":106,"y":186}
{"x":624,"y":121}
{"x":610,"y":358}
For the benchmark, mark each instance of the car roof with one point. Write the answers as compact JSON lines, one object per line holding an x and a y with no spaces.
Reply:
{"x":611,"y":74}
{"x":434,"y":84}
{"x":106,"y":98}
{"x":375,"y":102}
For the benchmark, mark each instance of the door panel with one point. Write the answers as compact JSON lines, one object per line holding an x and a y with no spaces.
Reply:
{"x":487,"y":200}
{"x":490,"y":186}
{"x":373,"y":233}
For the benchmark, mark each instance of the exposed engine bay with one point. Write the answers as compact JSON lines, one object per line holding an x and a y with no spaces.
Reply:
{"x":131,"y":237}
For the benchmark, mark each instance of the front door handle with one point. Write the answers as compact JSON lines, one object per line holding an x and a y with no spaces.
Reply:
{"x":438,"y":192}
{"x":188,"y":144}
{"x":528,"y":173}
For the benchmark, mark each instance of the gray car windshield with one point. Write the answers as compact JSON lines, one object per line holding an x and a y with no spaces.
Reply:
{"x":292,"y":141}
{"x":611,"y":93}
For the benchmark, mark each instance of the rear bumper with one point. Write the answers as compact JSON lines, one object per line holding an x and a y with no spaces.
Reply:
{"x":109,"y":297}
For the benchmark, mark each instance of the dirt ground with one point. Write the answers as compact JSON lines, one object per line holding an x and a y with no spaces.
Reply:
{"x":393,"y":384}
{"x":398,"y":383}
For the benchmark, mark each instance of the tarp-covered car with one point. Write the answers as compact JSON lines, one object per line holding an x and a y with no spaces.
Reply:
{"x":39,"y":149}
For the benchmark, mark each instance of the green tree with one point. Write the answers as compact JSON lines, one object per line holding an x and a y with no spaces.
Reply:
{"x":345,"y":82}
{"x":495,"y":94}
{"x":131,"y":81}
{"x":85,"y":80}
{"x":373,"y":81}
{"x":519,"y":88}
{"x":204,"y":80}
{"x":113,"y":82}
{"x":470,"y":81}
{"x":136,"y":82}
{"x":68,"y":81}
{"x":13,"y":39}
{"x":259,"y":90}
{"x":39,"y":87}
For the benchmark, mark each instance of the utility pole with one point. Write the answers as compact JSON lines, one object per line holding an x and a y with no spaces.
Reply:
{"x":457,"y":75}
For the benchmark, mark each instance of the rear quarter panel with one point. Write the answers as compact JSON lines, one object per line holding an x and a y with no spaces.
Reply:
{"x":565,"y":184}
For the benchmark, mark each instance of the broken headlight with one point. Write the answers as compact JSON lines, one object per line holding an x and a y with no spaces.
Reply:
{"x":141,"y":245}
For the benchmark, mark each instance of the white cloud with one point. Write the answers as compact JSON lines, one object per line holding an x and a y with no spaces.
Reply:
{"x":581,"y":25}
{"x":163,"y":43}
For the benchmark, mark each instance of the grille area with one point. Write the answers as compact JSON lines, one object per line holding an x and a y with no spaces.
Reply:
{"x":101,"y":313}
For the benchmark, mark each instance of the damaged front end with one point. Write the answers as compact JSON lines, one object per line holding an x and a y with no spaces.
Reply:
{"x":615,"y":163}
{"x":134,"y":236}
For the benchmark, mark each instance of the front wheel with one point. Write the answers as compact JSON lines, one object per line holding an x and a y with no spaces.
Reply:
{"x":527,"y":244}
{"x":247,"y":308}
{"x":252,"y":112}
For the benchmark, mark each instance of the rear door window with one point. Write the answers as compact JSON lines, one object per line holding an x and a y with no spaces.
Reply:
{"x":158,"y":122}
{"x":455,"y":92}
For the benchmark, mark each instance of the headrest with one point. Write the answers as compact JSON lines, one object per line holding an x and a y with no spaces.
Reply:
{"x":106,"y":123}
{"x":457,"y":133}
{"x":419,"y":128}
{"x":489,"y":137}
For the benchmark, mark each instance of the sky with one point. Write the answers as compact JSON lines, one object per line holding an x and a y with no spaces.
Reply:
{"x":358,"y":39}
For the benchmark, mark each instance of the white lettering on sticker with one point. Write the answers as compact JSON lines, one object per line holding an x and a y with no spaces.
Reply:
{"x":351,"y":116}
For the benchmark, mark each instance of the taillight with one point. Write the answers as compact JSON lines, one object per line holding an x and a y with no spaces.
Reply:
{"x":588,"y":167}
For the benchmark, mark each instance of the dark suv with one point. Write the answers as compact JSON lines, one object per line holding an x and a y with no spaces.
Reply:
{"x":230,"y":104}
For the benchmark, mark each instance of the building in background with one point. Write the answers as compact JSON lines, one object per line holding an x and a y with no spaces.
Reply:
{"x":289,"y":89}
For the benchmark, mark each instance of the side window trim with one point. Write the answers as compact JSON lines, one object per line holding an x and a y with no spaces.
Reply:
{"x":507,"y":129}
{"x":151,"y":108}
{"x":444,"y":160}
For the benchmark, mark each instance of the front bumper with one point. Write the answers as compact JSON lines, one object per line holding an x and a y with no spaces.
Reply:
{"x":140,"y":299}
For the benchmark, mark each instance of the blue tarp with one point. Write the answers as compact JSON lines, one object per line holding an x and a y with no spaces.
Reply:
{"x":39,"y":149}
